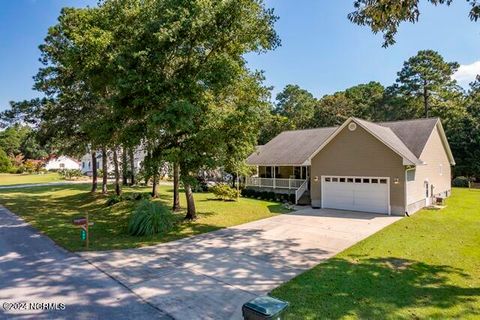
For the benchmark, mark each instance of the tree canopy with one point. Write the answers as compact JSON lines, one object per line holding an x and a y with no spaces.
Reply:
{"x":428,"y":76}
{"x":424,"y":87}
{"x":385,"y":16}
{"x":169,"y":75}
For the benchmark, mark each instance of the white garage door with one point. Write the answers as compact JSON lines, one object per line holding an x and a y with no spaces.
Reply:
{"x":370,"y":194}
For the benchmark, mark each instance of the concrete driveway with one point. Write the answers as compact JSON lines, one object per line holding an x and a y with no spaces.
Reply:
{"x":33,"y":269}
{"x":210,"y":276}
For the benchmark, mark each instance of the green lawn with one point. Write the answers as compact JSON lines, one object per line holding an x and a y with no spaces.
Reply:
{"x":51,"y":209}
{"x":423,"y":267}
{"x":7,"y":179}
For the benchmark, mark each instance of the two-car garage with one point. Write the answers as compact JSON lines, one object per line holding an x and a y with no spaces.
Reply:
{"x":370,"y":194}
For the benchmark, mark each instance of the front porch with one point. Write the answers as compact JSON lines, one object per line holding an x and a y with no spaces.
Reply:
{"x":274,"y":183}
{"x":281,"y":179}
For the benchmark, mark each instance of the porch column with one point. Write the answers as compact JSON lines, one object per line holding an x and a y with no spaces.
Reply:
{"x":273,"y":169}
{"x":258,"y":177}
{"x":307,"y":176}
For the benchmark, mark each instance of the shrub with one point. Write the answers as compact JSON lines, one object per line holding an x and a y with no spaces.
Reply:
{"x":150,"y":218}
{"x":224,"y":192}
{"x":114,"y":199}
{"x":17,"y":170}
{"x":271,"y":196}
{"x":248,"y":193}
{"x":461,"y":182}
{"x":137,"y":196}
{"x":291,"y":198}
{"x":268,"y":195}
{"x":32,"y":166}
{"x":69,"y":174}
{"x":5,"y":163}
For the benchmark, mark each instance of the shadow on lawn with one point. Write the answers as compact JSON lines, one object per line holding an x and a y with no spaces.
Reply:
{"x":33,"y":269}
{"x":370,"y":288}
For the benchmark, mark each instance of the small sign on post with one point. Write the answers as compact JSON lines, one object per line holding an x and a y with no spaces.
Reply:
{"x":84,"y":224}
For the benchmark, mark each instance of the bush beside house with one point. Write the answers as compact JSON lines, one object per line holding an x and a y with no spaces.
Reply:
{"x":268,"y":195}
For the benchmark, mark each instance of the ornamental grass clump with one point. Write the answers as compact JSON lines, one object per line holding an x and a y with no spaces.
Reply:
{"x":150,"y":218}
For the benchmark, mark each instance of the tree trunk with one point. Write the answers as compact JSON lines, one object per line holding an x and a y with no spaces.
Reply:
{"x":238,"y":186}
{"x":105,"y":170}
{"x":94,"y":172}
{"x":155,"y":184}
{"x":124,"y":166}
{"x":176,"y":180}
{"x":118,"y":189}
{"x":425,"y":98}
{"x":191,"y":211}
{"x":132,"y":166}
{"x":234,"y":180}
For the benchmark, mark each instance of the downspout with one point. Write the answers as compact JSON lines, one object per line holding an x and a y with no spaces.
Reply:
{"x":405,"y":192}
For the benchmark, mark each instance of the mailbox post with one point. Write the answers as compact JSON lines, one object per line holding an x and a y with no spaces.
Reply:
{"x":84,"y":223}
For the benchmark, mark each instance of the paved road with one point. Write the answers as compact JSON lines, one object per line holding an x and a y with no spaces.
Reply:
{"x":210,"y":276}
{"x":29,"y":185}
{"x":34,"y":269}
{"x":63,"y":183}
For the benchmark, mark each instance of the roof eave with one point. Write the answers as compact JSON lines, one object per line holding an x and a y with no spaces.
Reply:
{"x":278,"y":164}
{"x":443,"y":136}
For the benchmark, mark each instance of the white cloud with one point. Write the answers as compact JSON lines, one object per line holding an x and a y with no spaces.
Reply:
{"x":467,"y":73}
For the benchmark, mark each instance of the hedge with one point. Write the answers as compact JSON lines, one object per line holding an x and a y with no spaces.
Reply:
{"x":268,"y":195}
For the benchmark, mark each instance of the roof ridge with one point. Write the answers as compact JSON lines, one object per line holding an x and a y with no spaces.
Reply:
{"x":408,"y":120}
{"x":377,"y":123}
{"x":310,"y":129}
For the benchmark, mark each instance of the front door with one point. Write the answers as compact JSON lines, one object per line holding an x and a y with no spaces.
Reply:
{"x":427,"y":194}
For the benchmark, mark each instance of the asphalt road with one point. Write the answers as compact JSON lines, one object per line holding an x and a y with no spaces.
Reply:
{"x":36,"y":274}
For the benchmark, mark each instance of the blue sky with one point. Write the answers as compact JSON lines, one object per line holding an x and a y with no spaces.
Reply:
{"x":321,"y":50}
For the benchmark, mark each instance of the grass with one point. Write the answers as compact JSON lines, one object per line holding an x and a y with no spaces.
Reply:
{"x":7,"y":179}
{"x":426,"y":266}
{"x":51,"y":209}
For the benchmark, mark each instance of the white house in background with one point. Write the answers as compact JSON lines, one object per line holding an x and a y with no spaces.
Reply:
{"x":87,"y":166}
{"x":62,"y":162}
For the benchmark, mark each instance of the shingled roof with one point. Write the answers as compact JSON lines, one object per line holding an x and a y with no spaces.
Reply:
{"x":290,"y":147}
{"x":413,"y":133}
{"x":294,"y":148}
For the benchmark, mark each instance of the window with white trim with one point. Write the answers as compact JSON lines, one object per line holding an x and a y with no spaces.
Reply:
{"x":411,"y":175}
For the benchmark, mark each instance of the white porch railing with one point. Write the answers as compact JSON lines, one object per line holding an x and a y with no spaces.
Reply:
{"x":299,"y":192}
{"x":275,"y":183}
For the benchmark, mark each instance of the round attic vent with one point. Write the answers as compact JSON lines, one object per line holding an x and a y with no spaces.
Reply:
{"x":352,"y":126}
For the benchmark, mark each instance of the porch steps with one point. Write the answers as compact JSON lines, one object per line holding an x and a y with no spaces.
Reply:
{"x":305,"y":199}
